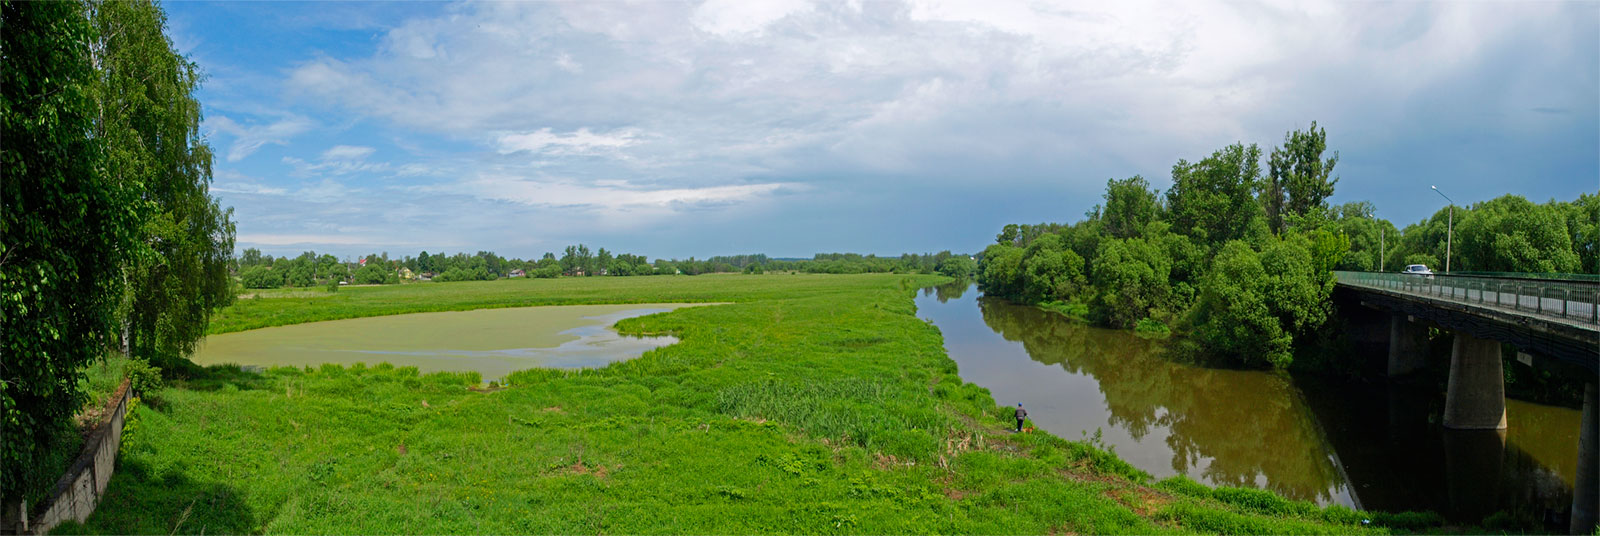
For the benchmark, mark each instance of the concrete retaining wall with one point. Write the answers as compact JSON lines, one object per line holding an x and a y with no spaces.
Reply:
{"x":78,"y":491}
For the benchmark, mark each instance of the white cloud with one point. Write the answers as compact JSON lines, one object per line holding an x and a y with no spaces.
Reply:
{"x":245,"y":188}
{"x":728,"y":18}
{"x":614,"y":195}
{"x":347,"y":152}
{"x":580,"y":142}
{"x":658,"y":107}
{"x":248,"y":138}
{"x":566,"y":63}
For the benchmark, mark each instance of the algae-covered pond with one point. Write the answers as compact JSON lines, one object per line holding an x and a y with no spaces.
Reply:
{"x":493,"y":342}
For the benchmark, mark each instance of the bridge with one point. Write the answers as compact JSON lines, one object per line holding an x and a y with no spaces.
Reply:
{"x":1553,"y":323}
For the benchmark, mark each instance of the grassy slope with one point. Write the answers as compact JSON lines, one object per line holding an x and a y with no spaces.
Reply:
{"x":814,"y":404}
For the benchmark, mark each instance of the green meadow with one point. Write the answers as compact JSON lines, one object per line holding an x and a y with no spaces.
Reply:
{"x":805,"y":403}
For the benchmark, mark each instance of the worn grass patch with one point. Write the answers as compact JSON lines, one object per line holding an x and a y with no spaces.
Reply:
{"x":812,"y":404}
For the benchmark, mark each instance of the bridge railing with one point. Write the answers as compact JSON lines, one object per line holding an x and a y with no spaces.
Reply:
{"x":1568,"y":300}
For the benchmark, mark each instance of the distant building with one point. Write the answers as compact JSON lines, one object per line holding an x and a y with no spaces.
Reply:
{"x":517,"y":273}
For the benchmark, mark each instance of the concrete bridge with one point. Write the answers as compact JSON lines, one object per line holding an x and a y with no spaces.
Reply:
{"x":1553,"y":324}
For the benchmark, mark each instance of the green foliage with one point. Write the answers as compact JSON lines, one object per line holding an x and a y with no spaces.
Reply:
{"x":1298,"y":182}
{"x":1252,"y":305}
{"x":151,"y":123}
{"x":65,"y":232}
{"x":1130,"y":206}
{"x":1213,"y":200}
{"x":1232,"y":316}
{"x":144,"y":377}
{"x":109,"y":219}
{"x":959,"y":267}
{"x":1150,"y":327}
{"x":1050,"y":272}
{"x":1511,"y":234}
{"x":464,"y":274}
{"x":374,"y":274}
{"x":1131,"y":281}
{"x":1000,"y":270}
{"x":261,"y":277}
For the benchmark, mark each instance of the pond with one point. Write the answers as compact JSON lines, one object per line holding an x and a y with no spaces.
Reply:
{"x":1367,"y":446}
{"x":494,"y":342}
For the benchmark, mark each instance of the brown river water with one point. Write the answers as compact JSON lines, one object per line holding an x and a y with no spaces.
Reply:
{"x":1364,"y":445}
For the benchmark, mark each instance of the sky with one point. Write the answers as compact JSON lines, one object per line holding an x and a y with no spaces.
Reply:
{"x":789,"y":127}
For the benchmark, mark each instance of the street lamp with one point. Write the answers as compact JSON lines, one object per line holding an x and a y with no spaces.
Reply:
{"x":1449,"y":229}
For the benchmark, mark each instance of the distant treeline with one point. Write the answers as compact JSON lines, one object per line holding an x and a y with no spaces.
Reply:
{"x":1241,"y":258}
{"x":311,"y":269}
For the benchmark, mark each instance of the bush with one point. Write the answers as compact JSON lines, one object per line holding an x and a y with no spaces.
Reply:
{"x":143,"y":376}
{"x":1150,"y":327}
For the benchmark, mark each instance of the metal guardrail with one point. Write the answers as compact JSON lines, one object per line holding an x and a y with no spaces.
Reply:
{"x":1566,"y":300}
{"x":1578,"y":278}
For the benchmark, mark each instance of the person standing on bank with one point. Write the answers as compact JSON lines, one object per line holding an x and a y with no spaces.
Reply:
{"x":1021,"y":415}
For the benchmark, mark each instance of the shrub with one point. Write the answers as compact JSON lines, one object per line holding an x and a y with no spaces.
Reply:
{"x":143,"y":376}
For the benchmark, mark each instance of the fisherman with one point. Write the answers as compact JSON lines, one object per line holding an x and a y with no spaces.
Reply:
{"x":1022,"y":414}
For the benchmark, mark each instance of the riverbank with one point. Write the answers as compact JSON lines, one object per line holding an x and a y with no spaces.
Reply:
{"x":816,"y":404}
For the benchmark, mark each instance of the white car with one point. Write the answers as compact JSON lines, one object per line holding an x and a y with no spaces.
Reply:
{"x":1417,"y":269}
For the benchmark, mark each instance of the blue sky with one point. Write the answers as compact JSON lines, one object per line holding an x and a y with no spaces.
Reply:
{"x":675,"y":129}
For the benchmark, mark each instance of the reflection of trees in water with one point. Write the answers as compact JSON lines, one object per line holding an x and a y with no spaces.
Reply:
{"x":1250,"y":425}
{"x":950,"y":291}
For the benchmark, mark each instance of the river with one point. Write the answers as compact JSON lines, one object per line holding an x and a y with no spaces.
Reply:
{"x":1364,"y":445}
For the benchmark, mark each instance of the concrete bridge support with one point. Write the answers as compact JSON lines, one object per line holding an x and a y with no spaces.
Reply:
{"x":1407,"y":345}
{"x":1584,"y":492}
{"x":1476,"y":399}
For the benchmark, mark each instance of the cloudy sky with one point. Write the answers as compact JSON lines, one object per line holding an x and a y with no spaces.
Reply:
{"x":788,"y":127}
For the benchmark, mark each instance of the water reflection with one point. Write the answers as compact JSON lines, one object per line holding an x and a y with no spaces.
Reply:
{"x":1225,"y":427}
{"x":1372,"y":446}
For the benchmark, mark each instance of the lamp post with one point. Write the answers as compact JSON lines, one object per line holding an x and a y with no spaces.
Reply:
{"x":1449,"y":232}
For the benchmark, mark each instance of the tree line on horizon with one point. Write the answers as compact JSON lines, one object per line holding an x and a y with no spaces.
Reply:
{"x":1240,"y":258}
{"x":309,"y":269}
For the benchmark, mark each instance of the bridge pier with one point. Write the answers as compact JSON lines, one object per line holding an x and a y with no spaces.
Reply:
{"x":1584,"y":491}
{"x":1476,"y":396}
{"x":1407,"y":345}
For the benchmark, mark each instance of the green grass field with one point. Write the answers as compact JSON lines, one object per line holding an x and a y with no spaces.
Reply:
{"x":810,"y":404}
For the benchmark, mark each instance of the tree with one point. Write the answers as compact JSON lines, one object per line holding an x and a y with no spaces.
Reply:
{"x":150,"y":122}
{"x":65,"y":232}
{"x":958,"y":267}
{"x":1212,"y":200}
{"x":1298,"y":177}
{"x":1131,"y":281}
{"x":1130,"y":205}
{"x":371,"y":274}
{"x":603,"y":261}
{"x":251,"y":257}
{"x":261,"y":277}
{"x":1253,"y":305}
{"x":1008,"y":235}
{"x":1512,"y":234}
{"x":1232,"y":317}
{"x":1000,"y":270}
